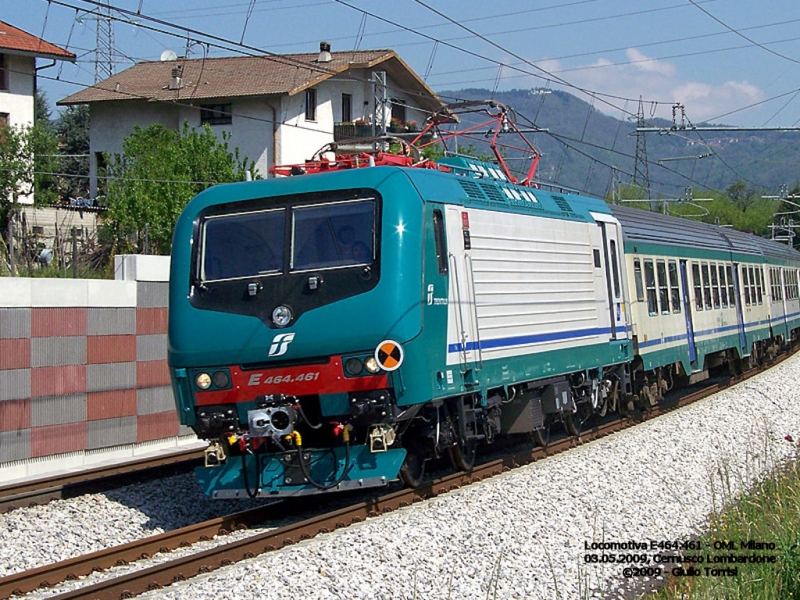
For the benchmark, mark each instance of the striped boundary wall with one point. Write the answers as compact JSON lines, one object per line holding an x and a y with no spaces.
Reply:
{"x":83,"y":370}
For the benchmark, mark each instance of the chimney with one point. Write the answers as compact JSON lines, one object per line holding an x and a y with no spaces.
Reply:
{"x":175,"y":82}
{"x":324,"y":52}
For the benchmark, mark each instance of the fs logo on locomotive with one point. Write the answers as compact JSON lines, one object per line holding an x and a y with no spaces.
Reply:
{"x":280,"y":344}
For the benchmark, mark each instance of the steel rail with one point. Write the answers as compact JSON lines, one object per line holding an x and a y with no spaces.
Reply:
{"x":168,"y":572}
{"x":42,"y":490}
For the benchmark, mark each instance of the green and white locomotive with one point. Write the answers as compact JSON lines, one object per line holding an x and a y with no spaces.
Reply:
{"x":338,"y":330}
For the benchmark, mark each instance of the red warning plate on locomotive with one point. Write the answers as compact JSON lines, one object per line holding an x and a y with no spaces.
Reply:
{"x":298,"y":380}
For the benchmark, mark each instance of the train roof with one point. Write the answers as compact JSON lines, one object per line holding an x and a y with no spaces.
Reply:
{"x":645,"y":227}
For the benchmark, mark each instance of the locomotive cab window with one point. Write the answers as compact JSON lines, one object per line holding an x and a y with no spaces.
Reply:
{"x":333,"y":235}
{"x":242,"y":245}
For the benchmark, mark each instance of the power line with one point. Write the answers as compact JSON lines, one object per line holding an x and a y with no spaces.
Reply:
{"x":741,"y":35}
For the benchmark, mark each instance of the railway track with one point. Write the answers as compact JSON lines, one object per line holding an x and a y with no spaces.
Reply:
{"x":181,"y":568}
{"x":57,"y":487}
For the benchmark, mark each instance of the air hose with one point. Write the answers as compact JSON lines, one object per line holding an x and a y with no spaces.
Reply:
{"x":304,"y":466}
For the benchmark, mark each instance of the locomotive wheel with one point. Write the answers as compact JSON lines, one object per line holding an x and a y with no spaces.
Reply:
{"x":462,"y":456}
{"x":413,"y":470}
{"x":541,"y":437}
{"x":573,"y":422}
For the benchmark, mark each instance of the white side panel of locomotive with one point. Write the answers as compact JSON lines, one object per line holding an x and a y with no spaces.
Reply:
{"x":521,"y":284}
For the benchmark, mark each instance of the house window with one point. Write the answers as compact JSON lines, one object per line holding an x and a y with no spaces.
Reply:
{"x":3,"y":72}
{"x":399,"y":111}
{"x":347,"y":108}
{"x":311,"y":104}
{"x":5,"y":119}
{"x":216,"y":114}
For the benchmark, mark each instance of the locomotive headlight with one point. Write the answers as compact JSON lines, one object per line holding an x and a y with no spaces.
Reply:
{"x":371,"y":365}
{"x":282,"y":316}
{"x":203,"y":381}
{"x":353,"y":366}
{"x":221,"y":379}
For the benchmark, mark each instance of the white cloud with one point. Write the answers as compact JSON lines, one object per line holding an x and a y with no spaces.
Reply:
{"x":661,"y":81}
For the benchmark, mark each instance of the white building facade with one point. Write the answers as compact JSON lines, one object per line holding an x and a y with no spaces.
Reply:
{"x":277,"y":110}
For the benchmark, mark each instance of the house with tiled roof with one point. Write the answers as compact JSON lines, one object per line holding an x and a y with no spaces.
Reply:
{"x":278,"y":109}
{"x":18,"y":53}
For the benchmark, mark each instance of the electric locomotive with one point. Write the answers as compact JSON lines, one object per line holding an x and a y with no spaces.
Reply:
{"x":338,"y":330}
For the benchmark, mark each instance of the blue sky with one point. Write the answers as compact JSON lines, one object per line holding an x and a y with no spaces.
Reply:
{"x":717,"y":57}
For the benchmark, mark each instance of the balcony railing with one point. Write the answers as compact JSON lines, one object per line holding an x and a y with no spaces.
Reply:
{"x":352,"y":131}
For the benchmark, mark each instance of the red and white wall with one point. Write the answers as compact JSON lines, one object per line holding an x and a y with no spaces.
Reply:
{"x":83,"y":370}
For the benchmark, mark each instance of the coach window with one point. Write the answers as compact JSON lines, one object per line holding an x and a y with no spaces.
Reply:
{"x":650,"y":283}
{"x":637,"y":278}
{"x":663,"y":286}
{"x":731,"y":286}
{"x":714,"y":285}
{"x":746,"y":285}
{"x":674,"y":288}
{"x":723,"y":287}
{"x":439,"y":239}
{"x":697,"y":286}
{"x":758,"y":290}
{"x":706,"y":287}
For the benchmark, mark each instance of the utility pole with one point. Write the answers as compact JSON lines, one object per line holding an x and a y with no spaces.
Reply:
{"x":783,"y":230}
{"x":641,"y":173}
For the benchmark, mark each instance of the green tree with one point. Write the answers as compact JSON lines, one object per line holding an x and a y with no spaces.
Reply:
{"x":72,"y":128}
{"x":29,"y":156}
{"x":154,"y":178}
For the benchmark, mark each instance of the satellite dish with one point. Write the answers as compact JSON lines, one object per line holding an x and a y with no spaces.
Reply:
{"x":168,"y":55}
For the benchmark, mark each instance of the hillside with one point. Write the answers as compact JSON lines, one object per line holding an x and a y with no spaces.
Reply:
{"x":582,"y":143}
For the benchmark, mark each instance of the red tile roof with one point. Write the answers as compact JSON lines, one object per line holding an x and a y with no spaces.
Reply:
{"x":16,"y":41}
{"x":216,"y":78}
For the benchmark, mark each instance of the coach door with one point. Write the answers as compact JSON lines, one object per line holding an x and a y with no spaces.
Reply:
{"x":739,"y":308}
{"x":463,"y":336}
{"x":687,"y":311}
{"x":612,"y":259}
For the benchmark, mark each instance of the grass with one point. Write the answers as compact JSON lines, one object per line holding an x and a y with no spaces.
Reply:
{"x":769,"y":513}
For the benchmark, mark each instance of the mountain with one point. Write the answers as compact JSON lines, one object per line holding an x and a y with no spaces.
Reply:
{"x":582,"y":144}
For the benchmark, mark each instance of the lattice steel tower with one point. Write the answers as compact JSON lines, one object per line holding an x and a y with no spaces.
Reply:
{"x":641,"y":174}
{"x":104,"y":56}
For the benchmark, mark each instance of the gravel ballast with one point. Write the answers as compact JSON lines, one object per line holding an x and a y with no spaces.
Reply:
{"x":520,"y":535}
